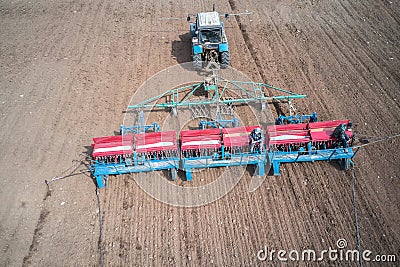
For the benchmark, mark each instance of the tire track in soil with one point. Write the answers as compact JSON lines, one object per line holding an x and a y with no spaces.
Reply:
{"x":98,"y":11}
{"x":361,"y":61}
{"x":229,"y":230}
{"x":305,"y":206}
{"x":250,"y":48}
{"x":273,"y":236}
{"x":334,"y":57}
{"x":359,"y":107}
{"x":314,"y":170}
{"x":69,"y":95}
{"x":287,"y":221}
{"x":369,"y":218}
{"x":373,"y":211}
{"x":44,"y":143}
{"x":378,"y":113}
{"x":123,"y":236}
{"x":339,"y":202}
{"x":117,"y":246}
{"x":246,"y":38}
{"x":282,"y":219}
{"x":382,"y":65}
{"x":37,"y":233}
{"x":293,"y":206}
{"x":189,"y":220}
{"x":322,"y":104}
{"x":385,"y":6}
{"x":228,"y":253}
{"x":325,"y":221}
{"x":210,"y":222}
{"x":118,"y":228}
{"x":315,"y":241}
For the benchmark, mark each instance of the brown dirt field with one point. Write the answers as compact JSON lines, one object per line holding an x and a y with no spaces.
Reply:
{"x":69,"y":68}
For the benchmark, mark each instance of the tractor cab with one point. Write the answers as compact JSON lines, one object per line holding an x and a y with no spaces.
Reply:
{"x":211,"y":36}
{"x":209,"y":42}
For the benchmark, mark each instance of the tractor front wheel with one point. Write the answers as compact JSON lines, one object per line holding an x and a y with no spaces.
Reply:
{"x":197,"y":64}
{"x":225,"y":59}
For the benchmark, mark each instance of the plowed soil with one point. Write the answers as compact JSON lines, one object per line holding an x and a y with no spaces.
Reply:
{"x":69,"y":68}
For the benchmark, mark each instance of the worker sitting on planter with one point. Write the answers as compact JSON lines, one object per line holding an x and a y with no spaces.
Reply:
{"x":256,"y":139}
{"x":340,"y":133}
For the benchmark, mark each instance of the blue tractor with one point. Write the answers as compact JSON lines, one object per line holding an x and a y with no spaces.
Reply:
{"x":209,"y":42}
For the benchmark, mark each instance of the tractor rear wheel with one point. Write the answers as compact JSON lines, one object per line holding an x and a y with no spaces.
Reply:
{"x":225,"y":59}
{"x":197,"y":64}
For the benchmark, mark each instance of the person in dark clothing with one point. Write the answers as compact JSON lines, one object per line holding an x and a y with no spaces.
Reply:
{"x":255,"y":138}
{"x":340,"y":133}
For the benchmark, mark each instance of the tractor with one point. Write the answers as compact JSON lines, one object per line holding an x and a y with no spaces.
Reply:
{"x":209,"y":42}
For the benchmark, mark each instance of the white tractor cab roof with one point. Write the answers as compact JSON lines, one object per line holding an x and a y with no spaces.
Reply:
{"x":208,"y":19}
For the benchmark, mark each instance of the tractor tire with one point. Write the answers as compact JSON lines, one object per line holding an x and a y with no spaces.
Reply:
{"x":225,"y":59}
{"x":197,"y":63}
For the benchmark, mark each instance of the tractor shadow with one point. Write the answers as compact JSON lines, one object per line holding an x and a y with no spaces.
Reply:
{"x":182,"y":49}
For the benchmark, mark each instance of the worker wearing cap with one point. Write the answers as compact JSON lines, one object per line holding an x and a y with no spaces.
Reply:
{"x":256,"y":138}
{"x":340,"y":133}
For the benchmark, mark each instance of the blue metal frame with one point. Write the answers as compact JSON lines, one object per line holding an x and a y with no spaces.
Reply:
{"x":225,"y":160}
{"x":139,"y":128}
{"x":278,"y":157}
{"x":220,"y":123}
{"x":101,"y":170}
{"x":261,"y":159}
{"x":197,"y":49}
{"x":294,"y":119}
{"x":224,"y":47}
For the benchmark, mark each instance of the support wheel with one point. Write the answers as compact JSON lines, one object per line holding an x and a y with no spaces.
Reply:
{"x":197,"y":64}
{"x":225,"y":60}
